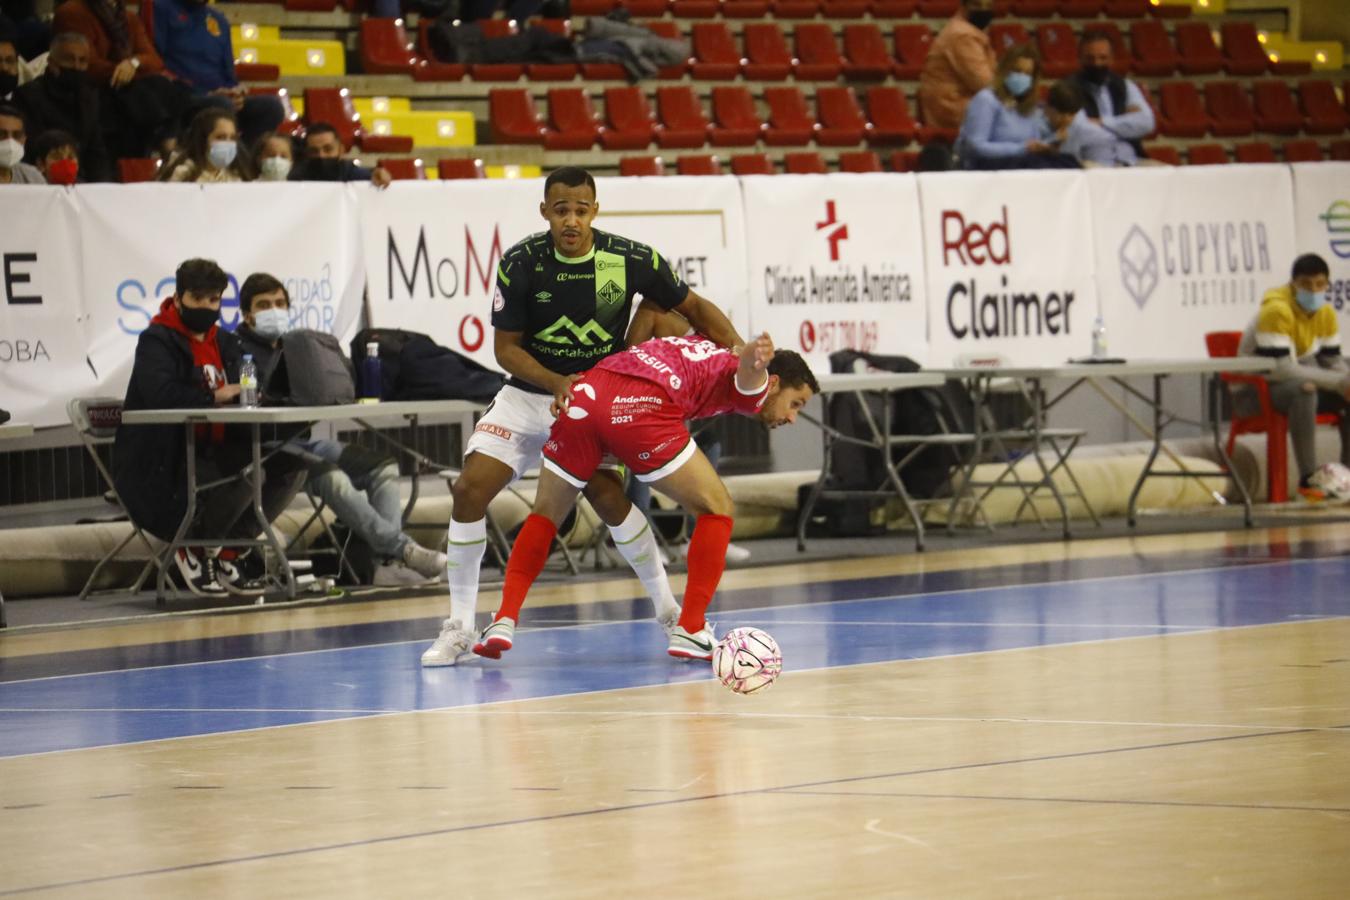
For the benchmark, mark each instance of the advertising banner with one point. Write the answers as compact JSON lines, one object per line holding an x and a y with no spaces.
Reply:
{"x":42,"y":329}
{"x":1184,"y":251}
{"x":836,"y":263}
{"x":135,"y":236}
{"x":1322,"y":224}
{"x":1010,"y":268}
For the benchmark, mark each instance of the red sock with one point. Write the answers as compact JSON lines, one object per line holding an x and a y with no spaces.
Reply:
{"x":707,"y":559}
{"x":528,"y":556}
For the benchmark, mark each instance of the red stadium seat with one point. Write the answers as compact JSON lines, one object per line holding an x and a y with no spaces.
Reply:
{"x":790,"y":124}
{"x":1302,"y":151}
{"x":453,"y":169}
{"x":645,"y":9}
{"x":752,"y":164}
{"x":1340,"y":151}
{"x":842,"y":123}
{"x":628,"y":120}
{"x":641,"y":165}
{"x":865,"y":54}
{"x":893,"y":9}
{"x":1125,"y":9}
{"x":1276,"y":111}
{"x":670,"y":31}
{"x":1195,"y":47}
{"x":592,"y":7}
{"x":497,"y":28}
{"x":715,"y":55}
{"x":766,"y":52}
{"x":1206,"y":155}
{"x":1153,"y":52}
{"x":1059,"y":49}
{"x":888,"y":110}
{"x":1159,"y":10}
{"x":1006,"y":35}
{"x":859,"y":161}
{"x":1080,"y":9}
{"x":572,"y":123}
{"x":512,"y":116}
{"x":735,"y":122}
{"x":257,"y":71}
{"x":1161,"y":154}
{"x":745,"y":9}
{"x":904,"y":161}
{"x":1230,"y":112}
{"x":405,"y":169}
{"x":911,"y":49}
{"x":131,"y":171}
{"x":843,"y":9}
{"x":681,"y":118}
{"x":429,"y":68}
{"x":804,"y":163}
{"x":1254,"y":152}
{"x":794,"y":9}
{"x":552,"y":71}
{"x":1242,"y":50}
{"x":334,"y":106}
{"x":1034,"y":9}
{"x":938,"y":9}
{"x":698,"y":165}
{"x":694,"y":9}
{"x":1182,"y":115}
{"x":385,"y":48}
{"x":1323,"y":110}
{"x":818,"y":56}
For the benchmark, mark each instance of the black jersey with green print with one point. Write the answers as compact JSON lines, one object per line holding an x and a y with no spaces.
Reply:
{"x":574,"y":312}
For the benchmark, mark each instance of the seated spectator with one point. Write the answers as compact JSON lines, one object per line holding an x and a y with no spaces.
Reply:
{"x":1003,"y":127}
{"x":194,"y":41}
{"x":323,"y":160}
{"x":210,"y":152}
{"x":274,"y":155}
{"x":1112,"y":103}
{"x":185,"y":360}
{"x":56,"y":154}
{"x":124,"y":64}
{"x":13,"y":170}
{"x":9,"y":69}
{"x":1076,"y":135}
{"x":960,"y":64}
{"x":359,"y":485}
{"x":62,"y":99}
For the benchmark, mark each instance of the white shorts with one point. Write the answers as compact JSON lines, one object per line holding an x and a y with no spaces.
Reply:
{"x":514,"y":428}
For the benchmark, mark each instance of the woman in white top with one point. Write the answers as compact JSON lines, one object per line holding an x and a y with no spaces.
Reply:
{"x":209,"y":152}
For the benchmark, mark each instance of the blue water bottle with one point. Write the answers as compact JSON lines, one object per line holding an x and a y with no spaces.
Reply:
{"x":372,"y":380}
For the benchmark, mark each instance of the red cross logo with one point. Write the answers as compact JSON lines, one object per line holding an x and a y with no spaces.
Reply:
{"x":838,"y":234}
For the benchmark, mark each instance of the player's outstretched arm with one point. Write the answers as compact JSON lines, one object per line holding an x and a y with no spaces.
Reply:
{"x":755,"y":356}
{"x":709,"y":321}
{"x":643,"y":326}
{"x":517,"y":361}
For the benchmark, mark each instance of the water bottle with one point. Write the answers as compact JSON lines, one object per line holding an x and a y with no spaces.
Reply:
{"x":372,"y":381}
{"x":1098,"y":339}
{"x":248,"y":382}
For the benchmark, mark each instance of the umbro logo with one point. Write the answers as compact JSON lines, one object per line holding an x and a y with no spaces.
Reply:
{"x":543,"y":296}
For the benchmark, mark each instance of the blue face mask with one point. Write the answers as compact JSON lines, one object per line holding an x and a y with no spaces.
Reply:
{"x":222,"y":153}
{"x":1311,"y":301}
{"x":272,"y":323}
{"x":1017,"y":83}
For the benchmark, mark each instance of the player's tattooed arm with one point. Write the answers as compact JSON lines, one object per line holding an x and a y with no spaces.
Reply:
{"x":709,"y":321}
{"x":517,"y":361}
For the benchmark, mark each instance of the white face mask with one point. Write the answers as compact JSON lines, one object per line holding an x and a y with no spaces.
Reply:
{"x":222,"y":153}
{"x":11,"y":153}
{"x":272,"y":323}
{"x":275,"y":168}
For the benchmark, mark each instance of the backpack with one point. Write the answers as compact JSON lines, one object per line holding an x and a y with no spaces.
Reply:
{"x":310,"y":370}
{"x":414,"y":367}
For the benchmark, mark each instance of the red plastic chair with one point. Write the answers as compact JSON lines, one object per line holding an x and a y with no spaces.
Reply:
{"x":1273,"y":424}
{"x":1195,"y":47}
{"x":1230,"y":112}
{"x":694,"y":9}
{"x":843,"y":9}
{"x":645,"y":8}
{"x":132,"y":171}
{"x":429,"y":68}
{"x":804,"y":163}
{"x":628,"y":120}
{"x":842,"y":123}
{"x":1181,"y":113}
{"x":1125,"y":9}
{"x":385,"y":48}
{"x":513,"y":118}
{"x":1325,"y":113}
{"x":683,"y":124}
{"x":1340,"y":151}
{"x":790,"y":123}
{"x":893,"y":9}
{"x":794,"y":9}
{"x":1153,"y":52}
{"x":641,"y":165}
{"x":911,"y":49}
{"x":1207,"y":155}
{"x":752,"y":164}
{"x":1302,"y":151}
{"x":860,"y":161}
{"x":888,"y":109}
{"x":1242,"y":50}
{"x":1276,"y":110}
{"x":865,"y":55}
{"x":405,"y":169}
{"x":1080,"y":9}
{"x":1163,"y":154}
{"x":938,"y":9}
{"x":698,"y":165}
{"x":715,"y":55}
{"x":745,"y":9}
{"x":818,"y":56}
{"x":572,"y":123}
{"x":1059,"y":49}
{"x":735,"y":122}
{"x":1006,"y":35}
{"x":1034,"y":9}
{"x":671,"y":31}
{"x":767,"y":57}
{"x":452,"y":169}
{"x":1254,"y":152}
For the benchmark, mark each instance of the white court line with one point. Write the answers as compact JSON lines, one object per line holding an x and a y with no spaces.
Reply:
{"x":815,"y":623}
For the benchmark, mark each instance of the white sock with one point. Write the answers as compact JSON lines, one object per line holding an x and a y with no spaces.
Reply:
{"x":635,"y":540}
{"x":463,"y":559}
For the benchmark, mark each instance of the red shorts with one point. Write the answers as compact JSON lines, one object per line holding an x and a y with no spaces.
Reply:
{"x":628,"y":417}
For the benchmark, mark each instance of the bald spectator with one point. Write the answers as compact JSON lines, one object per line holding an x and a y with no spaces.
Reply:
{"x":960,"y":64}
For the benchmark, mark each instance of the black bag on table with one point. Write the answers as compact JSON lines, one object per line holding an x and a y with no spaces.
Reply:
{"x":414,"y":367}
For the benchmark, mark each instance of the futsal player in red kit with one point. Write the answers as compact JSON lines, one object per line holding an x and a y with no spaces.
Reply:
{"x":634,"y":405}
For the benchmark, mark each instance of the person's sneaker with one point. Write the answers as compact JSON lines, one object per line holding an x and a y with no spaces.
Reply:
{"x":427,"y":563}
{"x":241,"y":573}
{"x":735,"y":552}
{"x":496,"y":639}
{"x":670,"y":621}
{"x":699,"y":645}
{"x":196,"y":571}
{"x":397,"y":573}
{"x":453,"y":644}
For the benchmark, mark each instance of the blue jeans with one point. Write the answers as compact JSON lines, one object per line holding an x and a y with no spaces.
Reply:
{"x":365,"y":498}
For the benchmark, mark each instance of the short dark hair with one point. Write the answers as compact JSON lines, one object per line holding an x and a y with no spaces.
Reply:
{"x":792,"y":371}
{"x":200,"y":276}
{"x":1309,"y":264}
{"x":14,"y":112}
{"x":571,"y":176}
{"x":1091,"y":35}
{"x":259,"y":283}
{"x":316,"y":128}
{"x":1065,"y":97}
{"x":52,"y":139}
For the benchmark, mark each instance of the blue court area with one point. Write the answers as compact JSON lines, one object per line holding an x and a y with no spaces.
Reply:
{"x":94,"y":709}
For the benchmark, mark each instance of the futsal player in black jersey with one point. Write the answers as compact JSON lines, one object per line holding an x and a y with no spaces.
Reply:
{"x":563,"y":302}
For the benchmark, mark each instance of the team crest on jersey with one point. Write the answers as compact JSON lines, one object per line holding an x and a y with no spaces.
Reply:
{"x":610,"y":293}
{"x":498,"y":301}
{"x":543,"y":296}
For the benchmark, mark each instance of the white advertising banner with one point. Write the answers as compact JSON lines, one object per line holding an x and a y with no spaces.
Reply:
{"x":1322,"y":224}
{"x":134,"y":237}
{"x":836,"y":263}
{"x":42,"y":330}
{"x":1010,"y":269}
{"x":1184,"y":251}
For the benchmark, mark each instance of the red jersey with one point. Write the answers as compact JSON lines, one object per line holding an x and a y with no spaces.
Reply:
{"x":697,"y":374}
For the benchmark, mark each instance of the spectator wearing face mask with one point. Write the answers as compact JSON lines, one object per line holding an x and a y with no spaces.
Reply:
{"x":209,"y":153}
{"x":1004,"y":127}
{"x":275,"y":157}
{"x":1110,"y":102}
{"x":13,"y":170}
{"x":62,"y":99}
{"x":57,"y":156}
{"x":359,"y":485}
{"x":960,"y":64}
{"x":323,"y":160}
{"x":1298,"y":328}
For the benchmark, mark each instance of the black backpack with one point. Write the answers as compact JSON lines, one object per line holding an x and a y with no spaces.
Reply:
{"x":310,"y":370}
{"x":414,"y":367}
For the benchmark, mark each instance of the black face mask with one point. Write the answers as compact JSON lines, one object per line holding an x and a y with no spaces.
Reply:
{"x":68,"y":81}
{"x":8,"y":83}
{"x":980,"y":18}
{"x":1096,"y":74}
{"x":198,"y":320}
{"x":322,"y":170}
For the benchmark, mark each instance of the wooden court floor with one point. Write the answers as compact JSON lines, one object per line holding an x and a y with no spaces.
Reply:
{"x":1138,"y":718}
